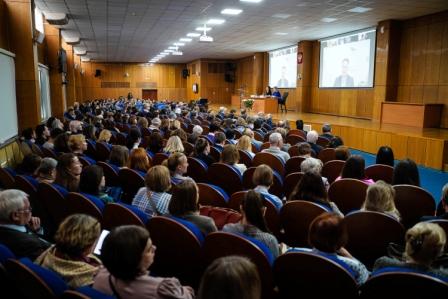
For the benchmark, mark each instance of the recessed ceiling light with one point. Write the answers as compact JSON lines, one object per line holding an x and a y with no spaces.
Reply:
{"x":172,"y":48}
{"x":251,"y":1}
{"x":185,"y":39}
{"x":359,"y":9}
{"x":231,"y":11}
{"x":216,"y":21}
{"x":202,"y":29}
{"x":179,"y":44}
{"x":168,"y":51}
{"x":281,"y":33}
{"x":281,"y":16}
{"x":193,"y":34}
{"x":328,"y":20}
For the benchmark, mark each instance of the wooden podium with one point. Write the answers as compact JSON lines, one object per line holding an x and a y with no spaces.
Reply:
{"x":261,"y":104}
{"x":409,"y":114}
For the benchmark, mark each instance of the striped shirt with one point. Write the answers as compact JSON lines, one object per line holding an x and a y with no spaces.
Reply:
{"x":161,"y":201}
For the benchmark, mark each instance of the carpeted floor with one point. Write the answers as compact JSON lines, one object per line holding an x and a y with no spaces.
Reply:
{"x":431,"y":180}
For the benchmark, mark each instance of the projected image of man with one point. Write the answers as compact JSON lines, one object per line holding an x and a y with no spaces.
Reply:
{"x":344,"y":79}
{"x":283,"y":82}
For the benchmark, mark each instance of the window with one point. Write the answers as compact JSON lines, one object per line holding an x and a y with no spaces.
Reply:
{"x":44,"y":85}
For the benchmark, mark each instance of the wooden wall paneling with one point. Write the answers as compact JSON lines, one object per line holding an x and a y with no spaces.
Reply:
{"x":434,"y":153}
{"x":304,"y":72}
{"x":4,"y":28}
{"x":417,"y":149}
{"x":258,"y":75}
{"x":433,"y":51}
{"x":27,"y":84}
{"x":69,"y":86}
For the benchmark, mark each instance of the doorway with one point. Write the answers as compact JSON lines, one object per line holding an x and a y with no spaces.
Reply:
{"x":149,"y":94}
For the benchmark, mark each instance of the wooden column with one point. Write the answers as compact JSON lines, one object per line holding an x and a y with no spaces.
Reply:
{"x":69,"y":86}
{"x":304,"y":75}
{"x":20,"y":19}
{"x":258,"y":71}
{"x":53,"y":42}
{"x":386,"y":65}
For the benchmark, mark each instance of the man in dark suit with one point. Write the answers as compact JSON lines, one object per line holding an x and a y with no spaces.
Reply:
{"x":326,"y":131}
{"x":344,"y":80}
{"x":18,"y":229}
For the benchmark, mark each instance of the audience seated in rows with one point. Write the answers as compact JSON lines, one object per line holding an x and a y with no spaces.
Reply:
{"x":380,"y":197}
{"x":230,"y":277}
{"x":315,"y":166}
{"x":311,"y":138}
{"x":354,"y":169}
{"x":202,"y":151}
{"x":68,"y":172}
{"x":46,"y":172}
{"x":304,"y":149}
{"x":184,"y":204}
{"x":311,"y":188}
{"x":253,"y":223}
{"x":19,"y":230}
{"x":127,"y":254}
{"x":406,"y":172}
{"x":263,"y":179}
{"x":276,"y":143}
{"x":155,"y":144}
{"x":29,"y":164}
{"x":119,"y":156}
{"x":177,"y":164}
{"x":153,"y":199}
{"x":342,"y":153}
{"x":326,"y":131}
{"x":139,"y":161}
{"x":93,"y":182}
{"x":231,"y":156}
{"x":245,"y":144}
{"x":425,"y":242}
{"x":174,"y":145}
{"x":385,"y":155}
{"x":72,"y":255}
{"x":443,"y":213}
{"x":328,"y":236}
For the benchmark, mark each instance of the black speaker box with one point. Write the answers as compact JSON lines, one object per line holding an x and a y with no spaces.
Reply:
{"x":185,"y":73}
{"x":97,"y":73}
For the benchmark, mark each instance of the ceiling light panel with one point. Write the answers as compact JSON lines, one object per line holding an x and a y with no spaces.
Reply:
{"x":216,"y":21}
{"x":231,"y":11}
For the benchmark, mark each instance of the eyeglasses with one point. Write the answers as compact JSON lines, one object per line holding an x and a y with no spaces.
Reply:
{"x":29,"y":210}
{"x":153,"y":248}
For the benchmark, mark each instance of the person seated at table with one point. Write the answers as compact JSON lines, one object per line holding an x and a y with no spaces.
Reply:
{"x":277,"y":93}
{"x":268,"y":91}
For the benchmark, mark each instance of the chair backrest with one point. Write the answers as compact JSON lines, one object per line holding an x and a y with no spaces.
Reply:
{"x":293,"y":165}
{"x":295,"y":218}
{"x":369,"y":234}
{"x":78,"y":203}
{"x":220,"y":244}
{"x":297,"y":132}
{"x":290,"y":182}
{"x":327,"y":154}
{"x":245,"y":158}
{"x":33,"y":281}
{"x":197,"y":169}
{"x":178,"y":249}
{"x":121,"y":137}
{"x":294,"y":139}
{"x":109,"y":173}
{"x":285,"y":96}
{"x":5,"y":254}
{"x":116,"y":214}
{"x":221,"y":216}
{"x":265,"y":145}
{"x":402,"y":283}
{"x":102,"y":151}
{"x":305,"y":274}
{"x":226,"y":177}
{"x":215,"y":153}
{"x":269,"y":159}
{"x":271,"y":216}
{"x":413,"y":202}
{"x":348,"y":194}
{"x":159,"y":158}
{"x":188,"y":148}
{"x":6,"y":179}
{"x":54,"y":202}
{"x":85,"y":293}
{"x":210,"y":195}
{"x":37,"y":150}
{"x":293,"y":151}
{"x":322,"y":141}
{"x":258,"y":136}
{"x":130,"y":182}
{"x":276,"y":188}
{"x":332,"y":169}
{"x":378,"y":172}
{"x":49,"y":153}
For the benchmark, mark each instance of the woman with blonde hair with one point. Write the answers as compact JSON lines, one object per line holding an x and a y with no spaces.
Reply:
{"x":231,"y":156}
{"x":425,"y":242}
{"x":245,"y":144}
{"x":104,"y":136}
{"x":77,"y":145}
{"x":153,"y":199}
{"x":380,"y":197}
{"x":174,"y":145}
{"x":139,"y":161}
{"x":71,"y":256}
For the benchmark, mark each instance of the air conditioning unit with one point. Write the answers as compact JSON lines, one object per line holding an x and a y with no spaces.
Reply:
{"x":58,"y":19}
{"x":205,"y":39}
{"x":72,"y":40}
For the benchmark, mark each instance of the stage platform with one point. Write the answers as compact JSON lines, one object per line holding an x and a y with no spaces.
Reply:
{"x":427,"y":147}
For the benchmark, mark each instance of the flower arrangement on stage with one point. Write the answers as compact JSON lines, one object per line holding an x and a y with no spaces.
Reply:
{"x":248,"y":103}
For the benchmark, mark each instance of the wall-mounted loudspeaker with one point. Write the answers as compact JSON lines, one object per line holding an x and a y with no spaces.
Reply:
{"x":185,"y":73}
{"x":38,"y":36}
{"x":97,"y":73}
